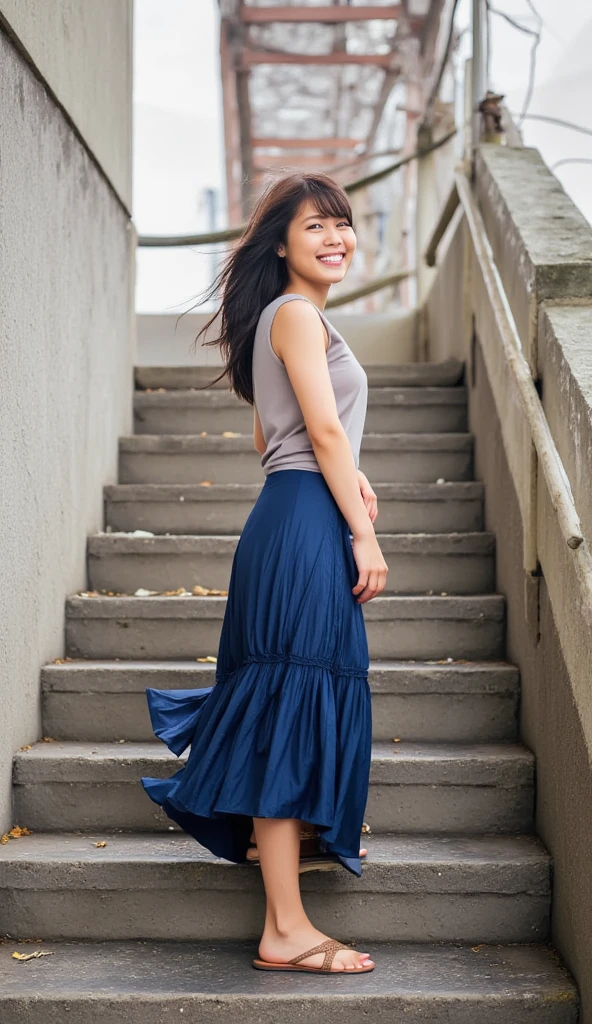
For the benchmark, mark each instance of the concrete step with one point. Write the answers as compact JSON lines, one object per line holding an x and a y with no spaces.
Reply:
{"x":177,"y":628}
{"x":390,"y":410}
{"x":149,"y":982}
{"x":223,"y":508}
{"x":446,"y":373}
{"x":472,"y":702}
{"x":149,"y":886}
{"x":419,"y":563}
{"x":414,"y":787}
{"x":191,"y":459}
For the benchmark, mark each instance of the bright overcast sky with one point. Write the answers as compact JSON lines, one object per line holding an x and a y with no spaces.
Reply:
{"x":178,"y":145}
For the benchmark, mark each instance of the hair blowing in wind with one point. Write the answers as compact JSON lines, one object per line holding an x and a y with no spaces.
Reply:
{"x":253,"y":274}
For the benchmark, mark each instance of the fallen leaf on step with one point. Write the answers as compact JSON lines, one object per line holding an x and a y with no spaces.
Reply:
{"x":204,"y":433}
{"x":205,"y":483}
{"x":199,"y":591}
{"x":32,"y":956}
{"x":366,"y":830}
{"x":141,"y":592}
{"x":48,"y":739}
{"x":209,"y":657}
{"x":88,"y":593}
{"x":26,"y":747}
{"x":173,"y":593}
{"x":397,"y":739}
{"x":230,"y":433}
{"x":15,"y":833}
{"x":102,"y":843}
{"x":60,"y":661}
{"x":477,"y":948}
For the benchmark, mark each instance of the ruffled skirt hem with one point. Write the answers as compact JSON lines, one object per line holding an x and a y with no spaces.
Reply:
{"x":280,"y":737}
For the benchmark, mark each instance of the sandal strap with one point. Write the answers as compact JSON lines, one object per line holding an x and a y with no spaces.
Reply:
{"x":330,"y":947}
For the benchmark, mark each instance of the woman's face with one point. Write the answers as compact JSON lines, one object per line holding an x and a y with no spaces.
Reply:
{"x":318,"y":249}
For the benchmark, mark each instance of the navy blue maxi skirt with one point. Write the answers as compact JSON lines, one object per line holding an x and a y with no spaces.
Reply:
{"x":286,"y":730}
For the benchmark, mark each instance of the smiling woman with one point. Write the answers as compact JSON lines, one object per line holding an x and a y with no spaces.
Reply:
{"x":280,"y":747}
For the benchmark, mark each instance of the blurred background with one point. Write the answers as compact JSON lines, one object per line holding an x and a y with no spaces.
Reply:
{"x":539,"y":57}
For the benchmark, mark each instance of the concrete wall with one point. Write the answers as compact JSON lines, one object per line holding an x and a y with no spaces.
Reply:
{"x":66,"y":352}
{"x":543,"y":251}
{"x":165,"y":340}
{"x":81,"y":50}
{"x":551,"y":720}
{"x":443,"y":318}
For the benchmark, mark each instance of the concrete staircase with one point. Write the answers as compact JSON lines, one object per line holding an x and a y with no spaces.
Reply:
{"x":454,"y":903}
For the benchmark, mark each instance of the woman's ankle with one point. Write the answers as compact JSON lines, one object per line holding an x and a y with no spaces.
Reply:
{"x":281,"y":926}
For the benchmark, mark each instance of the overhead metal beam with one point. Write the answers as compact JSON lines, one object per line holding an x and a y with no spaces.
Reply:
{"x":264,"y":163}
{"x":251,"y":57}
{"x":328,"y":15}
{"x":327,"y":143}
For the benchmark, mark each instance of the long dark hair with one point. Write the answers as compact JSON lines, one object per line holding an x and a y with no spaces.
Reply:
{"x":253,"y":274}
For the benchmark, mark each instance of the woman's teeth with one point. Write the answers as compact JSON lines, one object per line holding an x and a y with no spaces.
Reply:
{"x":338,"y":258}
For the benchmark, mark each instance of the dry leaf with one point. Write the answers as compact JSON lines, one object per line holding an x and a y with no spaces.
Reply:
{"x":397,"y":739}
{"x":102,"y":843}
{"x":15,"y":833}
{"x":60,"y":661}
{"x":366,"y":830}
{"x":48,"y":739}
{"x":204,"y":433}
{"x":32,"y":956}
{"x":230,"y":433}
{"x":27,"y":747}
{"x":205,"y":483}
{"x":477,"y":948}
{"x":208,"y":658}
{"x":199,"y":591}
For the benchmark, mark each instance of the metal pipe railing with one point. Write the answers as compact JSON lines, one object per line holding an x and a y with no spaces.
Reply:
{"x":369,"y":289}
{"x":229,"y":234}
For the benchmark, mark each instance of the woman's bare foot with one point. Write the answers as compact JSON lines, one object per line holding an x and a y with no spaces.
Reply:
{"x":279,"y":949}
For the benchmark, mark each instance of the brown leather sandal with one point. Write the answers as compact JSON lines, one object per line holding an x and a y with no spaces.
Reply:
{"x":330,"y":947}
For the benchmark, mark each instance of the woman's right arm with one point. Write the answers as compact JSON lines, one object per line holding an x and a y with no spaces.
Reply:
{"x":298,"y":338}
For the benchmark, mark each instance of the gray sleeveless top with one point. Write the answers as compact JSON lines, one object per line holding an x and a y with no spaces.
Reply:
{"x":284,"y":430}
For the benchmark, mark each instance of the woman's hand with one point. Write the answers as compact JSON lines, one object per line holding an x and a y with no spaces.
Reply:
{"x":370,"y":499}
{"x":372,"y":568}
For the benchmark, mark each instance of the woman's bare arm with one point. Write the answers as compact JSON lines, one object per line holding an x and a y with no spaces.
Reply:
{"x":298,"y":338}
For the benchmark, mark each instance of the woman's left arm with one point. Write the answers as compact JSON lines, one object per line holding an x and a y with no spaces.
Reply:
{"x":370,"y":499}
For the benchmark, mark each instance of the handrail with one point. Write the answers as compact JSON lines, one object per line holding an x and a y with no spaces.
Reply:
{"x":448,"y":210}
{"x":229,"y":234}
{"x":369,"y":289}
{"x":553,"y":469}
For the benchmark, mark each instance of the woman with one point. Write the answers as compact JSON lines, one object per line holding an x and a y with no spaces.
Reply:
{"x":280,"y":747}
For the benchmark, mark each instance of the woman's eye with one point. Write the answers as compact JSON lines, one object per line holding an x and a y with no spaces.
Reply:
{"x":343,"y":223}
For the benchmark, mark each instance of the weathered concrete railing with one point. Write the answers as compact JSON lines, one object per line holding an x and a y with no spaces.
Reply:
{"x":513,"y":297}
{"x":511,"y":364}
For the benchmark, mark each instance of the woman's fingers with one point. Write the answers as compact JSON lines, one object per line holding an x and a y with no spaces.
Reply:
{"x":370,"y":584}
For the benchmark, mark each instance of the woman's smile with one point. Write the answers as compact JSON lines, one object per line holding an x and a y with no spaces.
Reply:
{"x":332,"y":259}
